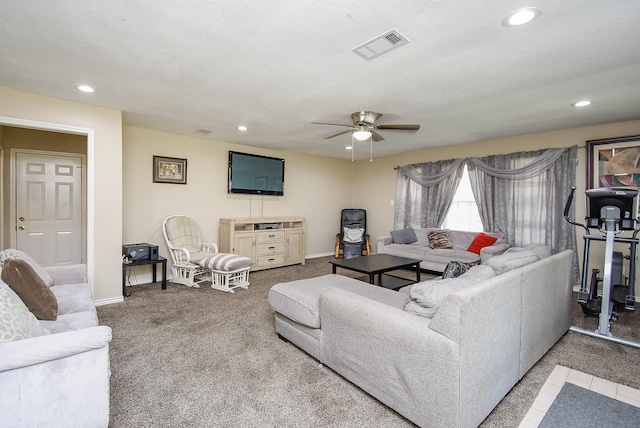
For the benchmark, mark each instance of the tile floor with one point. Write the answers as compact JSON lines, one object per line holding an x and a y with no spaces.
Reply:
{"x":556,"y":380}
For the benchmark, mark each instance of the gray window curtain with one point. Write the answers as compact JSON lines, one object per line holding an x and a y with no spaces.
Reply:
{"x":522,"y":195}
{"x":424,"y":192}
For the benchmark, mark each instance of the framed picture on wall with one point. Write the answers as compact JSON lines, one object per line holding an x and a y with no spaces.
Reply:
{"x":169,"y":170}
{"x":614,"y":162}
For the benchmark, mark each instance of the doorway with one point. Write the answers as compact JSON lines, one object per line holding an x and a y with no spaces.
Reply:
{"x":48,"y":206}
{"x":64,"y":151}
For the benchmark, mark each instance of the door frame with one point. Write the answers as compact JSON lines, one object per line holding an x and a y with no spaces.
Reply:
{"x":13,"y":186}
{"x":89,"y":133}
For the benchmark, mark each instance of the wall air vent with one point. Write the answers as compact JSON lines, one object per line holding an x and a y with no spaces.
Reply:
{"x":381,"y":44}
{"x":202,"y":131}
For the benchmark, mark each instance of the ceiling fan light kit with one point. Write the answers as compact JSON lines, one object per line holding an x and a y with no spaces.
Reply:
{"x":364,"y":128}
{"x":362,"y":135}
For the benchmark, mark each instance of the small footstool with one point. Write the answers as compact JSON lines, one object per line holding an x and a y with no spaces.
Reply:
{"x":228,"y":271}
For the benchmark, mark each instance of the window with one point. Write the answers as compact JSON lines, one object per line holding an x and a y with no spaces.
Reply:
{"x":463,"y":214}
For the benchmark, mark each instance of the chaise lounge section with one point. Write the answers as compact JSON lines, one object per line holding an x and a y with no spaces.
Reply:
{"x":452,"y":369}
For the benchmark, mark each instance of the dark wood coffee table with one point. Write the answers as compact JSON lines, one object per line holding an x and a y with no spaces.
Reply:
{"x":375,"y":267}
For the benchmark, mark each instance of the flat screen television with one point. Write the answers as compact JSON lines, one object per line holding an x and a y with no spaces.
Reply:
{"x":255,"y":174}
{"x":626,"y":200}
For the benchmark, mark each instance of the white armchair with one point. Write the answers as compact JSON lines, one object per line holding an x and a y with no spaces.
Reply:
{"x":184,"y":240}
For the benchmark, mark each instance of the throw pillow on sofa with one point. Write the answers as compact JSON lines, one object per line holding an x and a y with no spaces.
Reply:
{"x":17,"y":322}
{"x":480,"y":241}
{"x":31,"y":289}
{"x":12,"y":254}
{"x":455,"y":268}
{"x":439,"y":239}
{"x":425,"y":298}
{"x":404,"y":236}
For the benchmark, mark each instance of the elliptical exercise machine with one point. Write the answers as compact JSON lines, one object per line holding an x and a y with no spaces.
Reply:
{"x":611,"y":211}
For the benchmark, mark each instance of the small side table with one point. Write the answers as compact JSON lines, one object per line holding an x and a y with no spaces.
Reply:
{"x":153,"y":264}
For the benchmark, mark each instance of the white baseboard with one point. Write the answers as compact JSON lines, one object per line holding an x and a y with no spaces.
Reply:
{"x":102,"y":302}
{"x":315,"y":256}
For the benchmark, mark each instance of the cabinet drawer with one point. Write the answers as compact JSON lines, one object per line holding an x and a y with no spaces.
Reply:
{"x":275,"y":248}
{"x":270,"y":236}
{"x":270,"y":261}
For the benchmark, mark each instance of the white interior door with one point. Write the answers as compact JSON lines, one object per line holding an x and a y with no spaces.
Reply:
{"x":49,"y":201}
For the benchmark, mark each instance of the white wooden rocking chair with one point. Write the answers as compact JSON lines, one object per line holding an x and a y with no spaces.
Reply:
{"x":195,"y":261}
{"x":184,"y":240}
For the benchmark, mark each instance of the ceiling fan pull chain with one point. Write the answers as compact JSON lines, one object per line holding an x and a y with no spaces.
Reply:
{"x":353,"y":146}
{"x":371,"y":148}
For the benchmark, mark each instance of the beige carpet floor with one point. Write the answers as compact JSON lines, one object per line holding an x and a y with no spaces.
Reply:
{"x":187,"y":357}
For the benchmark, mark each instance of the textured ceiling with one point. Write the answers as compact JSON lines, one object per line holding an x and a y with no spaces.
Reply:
{"x":277,"y":66}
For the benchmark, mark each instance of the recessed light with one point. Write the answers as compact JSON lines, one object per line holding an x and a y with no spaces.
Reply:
{"x":348,"y":148}
{"x":241,"y":128}
{"x":521,"y":16}
{"x":582,"y":103}
{"x":85,"y":88}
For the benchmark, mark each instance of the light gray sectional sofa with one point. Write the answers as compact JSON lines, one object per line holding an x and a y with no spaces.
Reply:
{"x":436,"y":259}
{"x":59,"y":376}
{"x":450,"y":370}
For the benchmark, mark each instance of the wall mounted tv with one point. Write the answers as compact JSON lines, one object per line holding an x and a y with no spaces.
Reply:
{"x":255,"y":174}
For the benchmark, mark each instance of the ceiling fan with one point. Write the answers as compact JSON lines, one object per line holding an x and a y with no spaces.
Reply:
{"x":364,"y":126}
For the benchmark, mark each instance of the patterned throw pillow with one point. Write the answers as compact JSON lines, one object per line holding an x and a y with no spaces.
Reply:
{"x":455,"y":269}
{"x":353,"y":236}
{"x":17,"y":322}
{"x":439,"y":239}
{"x":226,"y":262}
{"x":12,"y":254}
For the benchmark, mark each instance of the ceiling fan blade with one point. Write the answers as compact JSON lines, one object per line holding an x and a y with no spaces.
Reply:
{"x":335,"y":124}
{"x":335,"y":135}
{"x":376,"y":136}
{"x":407,"y":127}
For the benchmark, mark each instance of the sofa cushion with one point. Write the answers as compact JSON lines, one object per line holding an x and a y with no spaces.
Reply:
{"x":445,"y":255}
{"x":31,"y":289}
{"x":17,"y":322}
{"x":426,"y":297}
{"x":404,"y":236}
{"x":73,"y":298}
{"x":226,"y":262}
{"x":455,"y":268}
{"x":480,"y":241}
{"x":12,"y":254}
{"x":511,"y":259}
{"x":71,"y":322}
{"x":439,"y":239}
{"x":540,"y":250}
{"x":300,"y":300}
{"x":423,"y":236}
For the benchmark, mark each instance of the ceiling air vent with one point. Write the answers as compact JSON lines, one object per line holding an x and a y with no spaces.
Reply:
{"x":202,"y":131}
{"x":381,"y":44}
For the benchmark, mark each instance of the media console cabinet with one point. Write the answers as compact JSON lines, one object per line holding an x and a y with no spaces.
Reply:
{"x":270,"y":241}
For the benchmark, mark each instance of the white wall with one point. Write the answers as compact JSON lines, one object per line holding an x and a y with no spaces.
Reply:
{"x":317,"y":188}
{"x":103,"y":128}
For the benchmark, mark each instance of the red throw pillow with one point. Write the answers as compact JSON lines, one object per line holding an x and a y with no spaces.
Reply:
{"x":480,"y":241}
